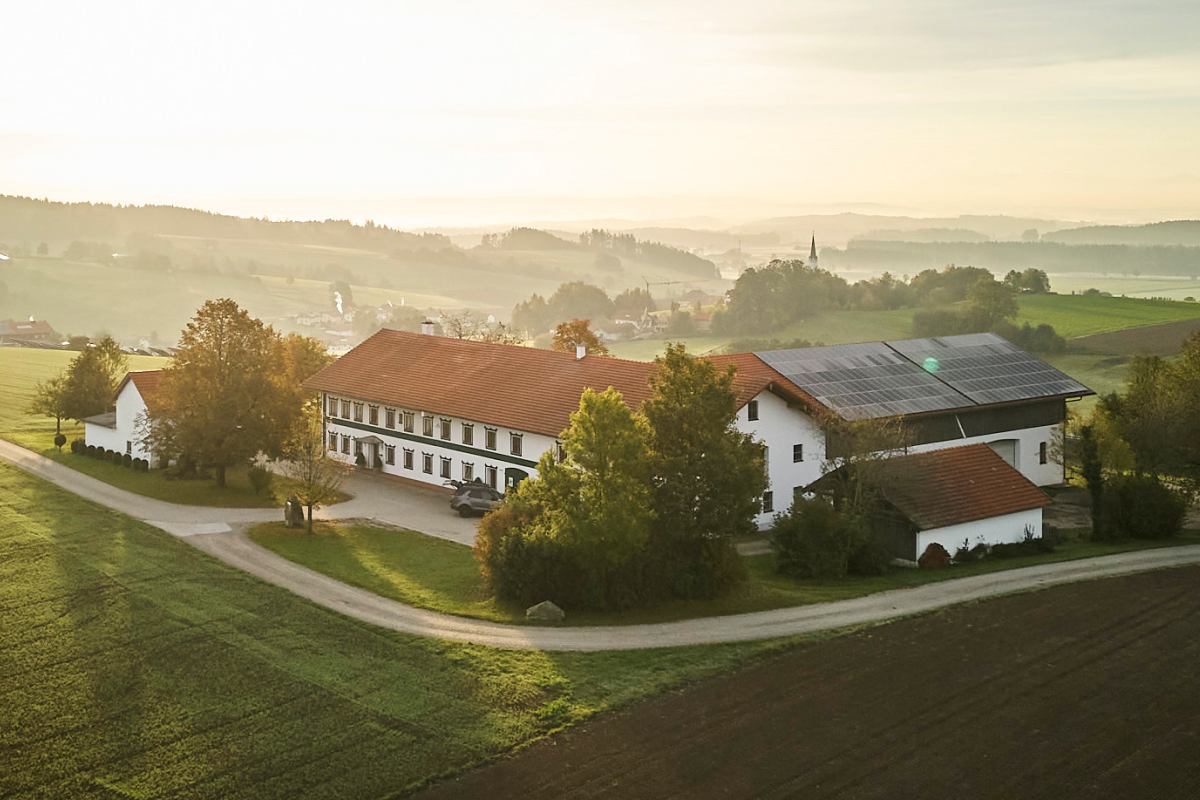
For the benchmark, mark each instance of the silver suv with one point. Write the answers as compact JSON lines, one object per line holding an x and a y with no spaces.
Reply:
{"x":475,"y":497}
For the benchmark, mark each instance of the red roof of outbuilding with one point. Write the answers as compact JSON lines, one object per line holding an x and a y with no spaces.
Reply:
{"x":146,"y":381}
{"x":952,"y":486}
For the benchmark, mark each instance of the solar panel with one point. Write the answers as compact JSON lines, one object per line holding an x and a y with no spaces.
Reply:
{"x":862,"y":381}
{"x":987,"y":368}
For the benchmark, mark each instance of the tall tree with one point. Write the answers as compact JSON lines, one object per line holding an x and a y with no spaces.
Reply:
{"x":316,"y":478}
{"x":227,"y":394}
{"x":577,"y":332}
{"x":50,"y":399}
{"x":92,"y":377}
{"x":708,"y":476}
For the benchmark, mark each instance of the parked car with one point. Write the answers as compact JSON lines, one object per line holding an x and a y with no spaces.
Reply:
{"x":474,"y":498}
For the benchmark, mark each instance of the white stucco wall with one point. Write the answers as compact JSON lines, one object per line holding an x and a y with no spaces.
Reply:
{"x":131,"y":409}
{"x":780,"y":427}
{"x":1028,"y":441}
{"x":995,"y":530}
{"x":477,"y":454}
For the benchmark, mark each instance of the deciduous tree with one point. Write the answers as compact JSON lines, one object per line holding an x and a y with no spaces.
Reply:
{"x":708,"y":476}
{"x":50,"y":399}
{"x":316,"y":478}
{"x":92,"y":377}
{"x":228,"y":394}
{"x":577,"y":332}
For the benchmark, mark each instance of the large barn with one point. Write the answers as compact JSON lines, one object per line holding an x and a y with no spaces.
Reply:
{"x":434,"y":409}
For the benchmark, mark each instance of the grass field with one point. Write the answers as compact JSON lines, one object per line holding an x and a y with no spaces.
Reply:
{"x":442,"y":576}
{"x":133,"y":665}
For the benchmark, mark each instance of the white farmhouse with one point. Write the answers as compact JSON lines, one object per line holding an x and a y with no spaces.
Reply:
{"x":433,"y":409}
{"x":119,"y":430}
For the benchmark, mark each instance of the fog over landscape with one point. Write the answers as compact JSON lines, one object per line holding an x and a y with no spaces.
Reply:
{"x":646,"y":398}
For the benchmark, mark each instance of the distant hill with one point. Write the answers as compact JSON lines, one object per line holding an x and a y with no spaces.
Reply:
{"x":925,"y":235}
{"x":912,"y":257}
{"x":29,"y":221}
{"x":1184,"y":232}
{"x":836,"y":229}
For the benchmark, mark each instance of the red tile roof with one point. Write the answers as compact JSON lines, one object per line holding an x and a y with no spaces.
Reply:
{"x":20,"y":328}
{"x":754,"y":375}
{"x":146,"y":381}
{"x":953,"y":486}
{"x":515,"y":387}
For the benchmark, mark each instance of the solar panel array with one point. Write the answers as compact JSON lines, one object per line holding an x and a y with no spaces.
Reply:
{"x":882,"y":379}
{"x":861,"y":381}
{"x":986,"y":368}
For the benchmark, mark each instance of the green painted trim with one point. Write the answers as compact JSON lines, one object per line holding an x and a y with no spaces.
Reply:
{"x":422,"y":440}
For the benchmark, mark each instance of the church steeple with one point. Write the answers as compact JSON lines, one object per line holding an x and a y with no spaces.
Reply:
{"x":812,"y":254}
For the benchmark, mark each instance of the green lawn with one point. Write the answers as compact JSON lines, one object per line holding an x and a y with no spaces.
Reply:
{"x":442,"y":576}
{"x":1076,"y":315}
{"x":133,"y":665}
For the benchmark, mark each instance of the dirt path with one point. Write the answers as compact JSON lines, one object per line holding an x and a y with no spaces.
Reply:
{"x":1088,"y":691}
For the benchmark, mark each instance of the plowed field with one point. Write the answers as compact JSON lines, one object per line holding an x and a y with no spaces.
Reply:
{"x":1088,"y":690}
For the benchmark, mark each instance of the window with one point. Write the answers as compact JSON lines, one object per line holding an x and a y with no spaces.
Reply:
{"x":768,"y":502}
{"x":427,"y":425}
{"x":514,"y":441}
{"x":445,"y":467}
{"x":445,"y":428}
{"x":489,"y":438}
{"x":346,"y":445}
{"x":427,"y":463}
{"x":358,"y":412}
{"x":468,"y":433}
{"x":468,"y":472}
{"x":331,"y":405}
{"x":560,"y":455}
{"x":408,"y":458}
{"x":389,"y":417}
{"x":797,"y":452}
{"x":489,"y":476}
{"x":345,"y":409}
{"x":408,"y":421}
{"x":129,"y":448}
{"x":1044,"y":453}
{"x":373,"y":415}
{"x":752,"y":410}
{"x":357,"y":448}
{"x":333,"y":441}
{"x":391,"y":455}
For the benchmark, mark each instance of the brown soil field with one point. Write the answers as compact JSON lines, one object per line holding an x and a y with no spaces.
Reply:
{"x":1087,"y":690}
{"x":1155,"y":340}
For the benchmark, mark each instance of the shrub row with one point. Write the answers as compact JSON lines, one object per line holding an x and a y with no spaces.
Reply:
{"x":81,"y":448}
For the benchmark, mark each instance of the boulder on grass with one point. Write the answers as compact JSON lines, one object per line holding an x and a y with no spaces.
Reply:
{"x":545,"y":610}
{"x":934,"y":557}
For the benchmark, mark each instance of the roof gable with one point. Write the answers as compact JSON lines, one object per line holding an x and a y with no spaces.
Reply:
{"x":951,"y":486}
{"x":146,"y":382}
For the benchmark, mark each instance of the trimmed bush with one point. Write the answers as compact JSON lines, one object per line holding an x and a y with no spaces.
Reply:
{"x":260,"y":479}
{"x":59,"y":440}
{"x":91,"y":451}
{"x":1141,"y":507}
{"x":360,"y":460}
{"x":814,"y":540}
{"x":126,"y":460}
{"x":78,"y":446}
{"x":111,"y":456}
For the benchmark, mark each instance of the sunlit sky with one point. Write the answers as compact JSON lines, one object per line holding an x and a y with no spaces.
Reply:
{"x":455,"y":112}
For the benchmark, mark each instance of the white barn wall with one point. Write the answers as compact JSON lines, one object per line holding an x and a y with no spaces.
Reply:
{"x":1028,"y":452}
{"x":994,"y":530}
{"x":130,"y":409}
{"x":780,"y":427}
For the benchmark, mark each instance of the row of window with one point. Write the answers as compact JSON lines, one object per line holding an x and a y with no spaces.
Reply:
{"x":490,"y":473}
{"x":407,"y":421}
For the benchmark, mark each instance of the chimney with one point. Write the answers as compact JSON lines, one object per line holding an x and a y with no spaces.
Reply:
{"x":580,"y":351}
{"x":427,"y":328}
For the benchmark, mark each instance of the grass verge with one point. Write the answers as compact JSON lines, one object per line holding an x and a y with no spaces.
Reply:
{"x":442,"y":576}
{"x":134,"y":665}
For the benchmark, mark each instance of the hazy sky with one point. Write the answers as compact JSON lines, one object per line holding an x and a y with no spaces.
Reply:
{"x":1087,"y":109}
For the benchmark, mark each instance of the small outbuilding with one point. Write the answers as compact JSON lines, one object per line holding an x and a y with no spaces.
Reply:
{"x":119,"y":430}
{"x":958,"y":494}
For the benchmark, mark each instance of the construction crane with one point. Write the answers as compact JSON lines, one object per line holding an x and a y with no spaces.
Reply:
{"x":650,"y":283}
